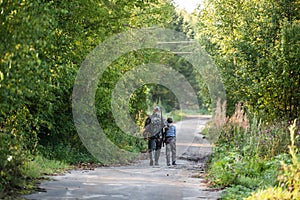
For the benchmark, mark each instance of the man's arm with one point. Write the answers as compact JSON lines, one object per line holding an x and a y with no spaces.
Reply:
{"x":145,"y":133}
{"x":148,"y":121}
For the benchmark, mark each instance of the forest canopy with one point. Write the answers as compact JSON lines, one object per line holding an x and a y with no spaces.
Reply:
{"x":254,"y":44}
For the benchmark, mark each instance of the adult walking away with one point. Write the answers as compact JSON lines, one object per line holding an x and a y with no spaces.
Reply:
{"x":153,"y":133}
{"x":170,"y":140}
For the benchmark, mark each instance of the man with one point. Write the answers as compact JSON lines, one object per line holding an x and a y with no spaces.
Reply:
{"x":153,"y":133}
{"x":170,"y":140}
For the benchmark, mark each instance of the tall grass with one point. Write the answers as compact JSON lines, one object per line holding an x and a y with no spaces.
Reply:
{"x":247,"y":153}
{"x":41,"y":166}
{"x":30,"y":172}
{"x":248,"y":135}
{"x":289,"y":181}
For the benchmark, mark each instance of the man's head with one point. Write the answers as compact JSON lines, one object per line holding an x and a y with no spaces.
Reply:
{"x":156,"y":109}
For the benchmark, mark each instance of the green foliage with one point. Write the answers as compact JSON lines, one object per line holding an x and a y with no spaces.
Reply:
{"x":236,"y":192}
{"x":248,"y":153}
{"x":289,"y":180}
{"x":43,"y":44}
{"x":40,"y":166}
{"x":17,"y":143}
{"x":255,"y":45}
{"x":66,"y":153}
{"x":183,"y":22}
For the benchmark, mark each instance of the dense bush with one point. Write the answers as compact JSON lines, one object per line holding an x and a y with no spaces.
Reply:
{"x":289,"y":180}
{"x":248,"y":153}
{"x":255,"y":45}
{"x":17,"y":146}
{"x":43,"y":44}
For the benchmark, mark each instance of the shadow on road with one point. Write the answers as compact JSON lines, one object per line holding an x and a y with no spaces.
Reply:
{"x":140,"y":181}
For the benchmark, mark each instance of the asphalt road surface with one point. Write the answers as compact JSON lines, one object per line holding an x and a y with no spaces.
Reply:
{"x":140,"y":181}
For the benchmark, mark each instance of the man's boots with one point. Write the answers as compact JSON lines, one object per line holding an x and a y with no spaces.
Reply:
{"x":157,"y":154}
{"x":151,"y":155}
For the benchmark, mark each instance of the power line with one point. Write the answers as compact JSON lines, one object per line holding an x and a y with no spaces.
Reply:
{"x":181,"y":52}
{"x":176,"y":42}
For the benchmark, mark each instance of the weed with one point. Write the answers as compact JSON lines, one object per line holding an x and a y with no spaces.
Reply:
{"x":41,"y":166}
{"x":248,"y":153}
{"x":289,"y":181}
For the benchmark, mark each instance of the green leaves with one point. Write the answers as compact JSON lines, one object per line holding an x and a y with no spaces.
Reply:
{"x":43,"y":44}
{"x":255,"y":45}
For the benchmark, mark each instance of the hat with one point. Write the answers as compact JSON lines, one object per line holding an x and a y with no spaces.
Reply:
{"x":170,"y":120}
{"x":157,"y":108}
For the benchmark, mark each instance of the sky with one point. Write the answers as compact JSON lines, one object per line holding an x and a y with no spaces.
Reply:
{"x":188,"y":5}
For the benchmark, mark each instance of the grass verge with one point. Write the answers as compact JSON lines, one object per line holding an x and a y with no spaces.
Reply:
{"x":248,"y":157}
{"x":32,"y":173}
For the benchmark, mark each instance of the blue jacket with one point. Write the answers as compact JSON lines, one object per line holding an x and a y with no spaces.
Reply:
{"x":171,"y":132}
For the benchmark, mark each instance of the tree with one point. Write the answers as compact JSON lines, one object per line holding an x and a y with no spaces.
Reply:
{"x":43,"y":44}
{"x":256,"y":47}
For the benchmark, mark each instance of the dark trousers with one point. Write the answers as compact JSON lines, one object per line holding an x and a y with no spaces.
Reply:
{"x":154,"y":146}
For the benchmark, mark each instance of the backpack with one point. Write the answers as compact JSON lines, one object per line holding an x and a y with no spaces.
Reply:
{"x":153,"y":126}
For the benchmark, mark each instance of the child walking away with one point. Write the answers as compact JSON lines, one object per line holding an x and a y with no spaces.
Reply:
{"x":170,"y":140}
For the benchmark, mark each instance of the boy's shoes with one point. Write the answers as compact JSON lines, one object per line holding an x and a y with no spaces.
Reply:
{"x":151,"y":163}
{"x":174,"y":163}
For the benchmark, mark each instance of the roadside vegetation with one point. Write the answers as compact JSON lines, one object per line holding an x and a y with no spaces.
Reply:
{"x":24,"y":177}
{"x":254,"y":45}
{"x":251,"y":156}
{"x":43,"y":44}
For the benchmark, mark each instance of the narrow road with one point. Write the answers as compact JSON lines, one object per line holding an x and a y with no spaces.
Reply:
{"x":140,"y":181}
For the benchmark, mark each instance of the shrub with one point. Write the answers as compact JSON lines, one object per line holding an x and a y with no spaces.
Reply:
{"x":17,"y":143}
{"x":40,"y":166}
{"x":289,"y":186}
{"x":248,"y":153}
